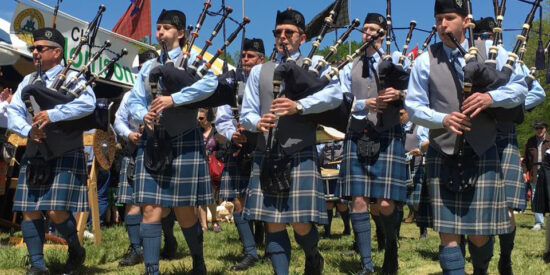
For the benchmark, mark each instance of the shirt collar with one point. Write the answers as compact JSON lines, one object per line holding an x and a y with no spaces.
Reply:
{"x":295,"y":55}
{"x":408,"y":125}
{"x":450,"y":52}
{"x":174,"y":53}
{"x":52,"y":72}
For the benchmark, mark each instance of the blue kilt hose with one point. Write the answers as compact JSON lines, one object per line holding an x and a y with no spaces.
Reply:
{"x":125,"y":191}
{"x":185,"y":183}
{"x":386,"y":178}
{"x":507,"y":146}
{"x":66,"y":189}
{"x":479,"y":211}
{"x":234,"y":184}
{"x":305,"y":202}
{"x":414,"y":185}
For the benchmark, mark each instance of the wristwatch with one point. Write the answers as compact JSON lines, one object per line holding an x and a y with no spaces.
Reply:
{"x":299,"y":108}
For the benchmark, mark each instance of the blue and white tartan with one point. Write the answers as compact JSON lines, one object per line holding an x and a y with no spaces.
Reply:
{"x":480,"y":211}
{"x":66,"y":190}
{"x":305,"y":202}
{"x":233,"y":185}
{"x":386,"y":178}
{"x":185,"y":183}
{"x":125,"y":193}
{"x":417,"y":179}
{"x":507,"y":146}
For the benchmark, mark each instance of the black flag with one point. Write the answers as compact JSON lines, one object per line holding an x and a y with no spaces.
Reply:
{"x":316,"y":24}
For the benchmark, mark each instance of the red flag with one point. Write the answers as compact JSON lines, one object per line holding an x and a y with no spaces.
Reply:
{"x":136,"y":21}
{"x":413,"y":53}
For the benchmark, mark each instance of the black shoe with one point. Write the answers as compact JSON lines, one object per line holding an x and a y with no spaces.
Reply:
{"x":390,"y":258}
{"x":169,"y":250}
{"x":364,"y":271}
{"x":199,"y":268}
{"x":546,"y":257}
{"x":245,"y":263}
{"x":347,"y":231}
{"x":75,"y":261}
{"x":36,"y":271}
{"x":479,"y":271}
{"x":131,"y":258}
{"x":314,"y":264}
{"x":505,"y":266}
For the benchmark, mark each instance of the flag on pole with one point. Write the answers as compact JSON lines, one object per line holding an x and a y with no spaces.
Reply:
{"x":413,"y":54}
{"x":136,"y":21}
{"x":313,"y":28}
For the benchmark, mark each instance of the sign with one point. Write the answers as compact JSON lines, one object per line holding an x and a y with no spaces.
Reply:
{"x":27,"y":18}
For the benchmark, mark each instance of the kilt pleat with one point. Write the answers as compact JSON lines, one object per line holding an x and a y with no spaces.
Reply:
{"x":304,"y":202}
{"x":386,"y":178}
{"x":417,"y":179}
{"x":125,"y":193}
{"x":65,"y":191}
{"x":480,"y":211}
{"x":507,"y":146}
{"x":185,"y":183}
{"x":234,"y":184}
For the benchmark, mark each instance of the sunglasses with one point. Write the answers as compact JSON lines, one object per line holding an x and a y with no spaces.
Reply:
{"x":483,"y":36}
{"x":40,"y":48}
{"x":288,"y":33}
{"x":201,"y":118}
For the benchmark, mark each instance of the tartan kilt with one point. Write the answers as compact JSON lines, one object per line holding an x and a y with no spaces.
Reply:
{"x":305,"y":202}
{"x":66,"y":190}
{"x":480,"y":211}
{"x":386,"y":178}
{"x":125,"y":191}
{"x":417,"y":179}
{"x":233,"y":184}
{"x":185,"y":183}
{"x":507,"y":146}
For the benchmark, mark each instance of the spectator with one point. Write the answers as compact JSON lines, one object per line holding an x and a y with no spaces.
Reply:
{"x":534,"y":153}
{"x":214,"y":146}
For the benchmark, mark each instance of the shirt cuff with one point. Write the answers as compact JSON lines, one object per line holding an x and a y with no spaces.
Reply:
{"x":438,"y":119}
{"x":360,"y":105}
{"x":54,"y":115}
{"x":26,"y":130}
{"x":254,"y":121}
{"x":498,"y":99}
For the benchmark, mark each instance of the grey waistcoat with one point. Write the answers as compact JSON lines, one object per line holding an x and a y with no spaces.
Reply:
{"x":175,"y":120}
{"x":411,"y":142}
{"x":294,"y":132}
{"x":58,"y":140}
{"x":364,"y":88}
{"x":445,"y":96}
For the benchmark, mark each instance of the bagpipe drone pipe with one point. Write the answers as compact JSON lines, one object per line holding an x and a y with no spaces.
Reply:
{"x":174,"y":76}
{"x":300,"y":83}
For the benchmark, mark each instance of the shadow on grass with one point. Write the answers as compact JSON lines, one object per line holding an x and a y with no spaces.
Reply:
{"x":428,"y":254}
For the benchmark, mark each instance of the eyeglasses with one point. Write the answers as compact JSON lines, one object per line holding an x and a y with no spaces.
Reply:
{"x":288,"y":33}
{"x":40,"y":48}
{"x":483,"y":36}
{"x":402,"y":114}
{"x":201,"y":118}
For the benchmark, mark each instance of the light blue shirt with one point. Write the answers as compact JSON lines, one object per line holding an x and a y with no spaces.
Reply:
{"x":422,"y":134}
{"x":139,"y":101}
{"x":19,"y":121}
{"x":328,"y":98}
{"x":226,"y":124}
{"x":124,"y":124}
{"x":360,"y":111}
{"x":417,"y":101}
{"x":536,"y":94}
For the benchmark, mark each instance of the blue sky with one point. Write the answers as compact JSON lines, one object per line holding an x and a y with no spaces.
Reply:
{"x":262,"y":13}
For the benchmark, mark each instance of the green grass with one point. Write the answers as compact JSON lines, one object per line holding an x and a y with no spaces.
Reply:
{"x":223,"y":249}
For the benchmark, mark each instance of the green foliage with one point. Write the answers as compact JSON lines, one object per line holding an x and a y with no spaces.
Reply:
{"x":342,"y":51}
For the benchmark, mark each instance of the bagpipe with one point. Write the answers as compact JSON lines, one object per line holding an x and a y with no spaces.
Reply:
{"x":64,"y":90}
{"x":174,"y":77}
{"x":300,"y":83}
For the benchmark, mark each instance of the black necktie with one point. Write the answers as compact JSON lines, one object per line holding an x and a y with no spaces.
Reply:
{"x":368,"y":65}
